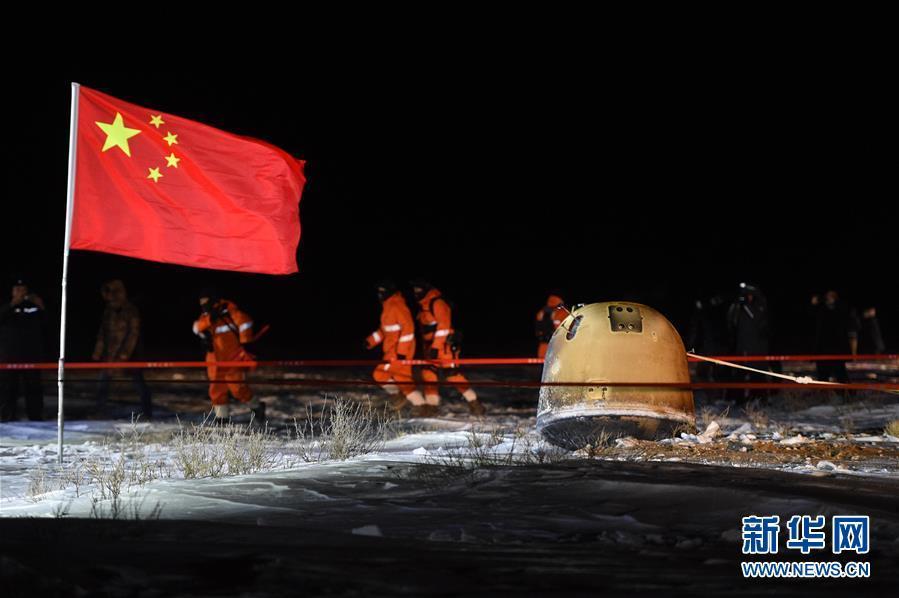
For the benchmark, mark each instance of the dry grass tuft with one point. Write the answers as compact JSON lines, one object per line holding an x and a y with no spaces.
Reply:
{"x":756,"y":414}
{"x":38,"y":483}
{"x":213,"y":451}
{"x":344,"y":429}
{"x":707,"y":415}
{"x":480,"y":454}
{"x":892,"y":428}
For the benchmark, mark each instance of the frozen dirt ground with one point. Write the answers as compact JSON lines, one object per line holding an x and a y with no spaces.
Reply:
{"x":446,"y":506}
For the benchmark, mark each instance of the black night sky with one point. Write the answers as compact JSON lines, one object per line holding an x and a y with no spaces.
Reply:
{"x":498,"y":180}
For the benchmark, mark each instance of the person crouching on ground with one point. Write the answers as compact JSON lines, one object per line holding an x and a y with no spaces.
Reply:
{"x":225,"y":330}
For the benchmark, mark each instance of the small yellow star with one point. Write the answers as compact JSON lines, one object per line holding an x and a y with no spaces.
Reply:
{"x":156,"y":120}
{"x":171,"y":139}
{"x":117,"y":134}
{"x":172,"y":160}
{"x":155,"y":175}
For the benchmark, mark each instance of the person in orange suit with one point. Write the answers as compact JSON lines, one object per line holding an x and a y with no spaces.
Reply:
{"x":440,"y":341}
{"x":548,"y":319}
{"x":396,"y":335}
{"x":225,"y":331}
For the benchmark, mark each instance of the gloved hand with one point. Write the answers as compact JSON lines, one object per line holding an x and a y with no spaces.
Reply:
{"x":369,"y":345}
{"x":244,"y":355}
{"x":433,"y":353}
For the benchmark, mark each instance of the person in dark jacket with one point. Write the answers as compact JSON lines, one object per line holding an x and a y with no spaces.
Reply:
{"x":747,"y":325}
{"x":836,"y":333}
{"x":747,"y":320}
{"x":118,"y":340}
{"x":707,"y":332}
{"x":22,"y":330}
{"x":870,"y":340}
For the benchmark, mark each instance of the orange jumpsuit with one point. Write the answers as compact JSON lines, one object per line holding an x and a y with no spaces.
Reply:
{"x":229,"y":330}
{"x":436,"y":321}
{"x":397,"y":339}
{"x":548,"y":314}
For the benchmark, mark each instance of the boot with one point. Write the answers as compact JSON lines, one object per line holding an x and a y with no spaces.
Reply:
{"x":425,"y":410}
{"x":221,"y":421}
{"x":476,"y":408}
{"x":259,"y":414}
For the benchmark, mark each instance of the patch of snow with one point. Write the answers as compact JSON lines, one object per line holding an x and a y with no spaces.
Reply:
{"x":711,"y":432}
{"x":794,"y":440}
{"x":744,"y":429}
{"x":626,"y":442}
{"x":368,"y":530}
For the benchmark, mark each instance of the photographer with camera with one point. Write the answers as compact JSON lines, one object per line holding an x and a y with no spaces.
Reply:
{"x":747,"y":325}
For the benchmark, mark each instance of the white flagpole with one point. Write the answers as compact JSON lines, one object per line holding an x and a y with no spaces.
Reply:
{"x":70,"y":197}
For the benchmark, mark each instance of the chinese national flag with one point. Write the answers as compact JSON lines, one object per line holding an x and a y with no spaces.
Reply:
{"x":158,"y":187}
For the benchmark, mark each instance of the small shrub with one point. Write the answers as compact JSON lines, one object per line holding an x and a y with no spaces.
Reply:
{"x":345,"y":429}
{"x":210,"y":451}
{"x":38,"y":483}
{"x":480,"y":454}
{"x":756,"y":415}
{"x":707,"y":415}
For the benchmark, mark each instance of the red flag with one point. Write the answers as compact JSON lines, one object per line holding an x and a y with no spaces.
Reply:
{"x":158,"y":187}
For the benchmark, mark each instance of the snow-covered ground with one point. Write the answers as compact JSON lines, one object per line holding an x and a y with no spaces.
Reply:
{"x":149,"y":459}
{"x":450,"y":504}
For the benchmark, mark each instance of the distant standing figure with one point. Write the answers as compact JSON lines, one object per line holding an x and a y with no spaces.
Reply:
{"x":836,"y":333}
{"x":547,"y":320}
{"x":707,"y":333}
{"x":747,"y":320}
{"x":21,"y":341}
{"x":118,"y":340}
{"x":747,"y":324}
{"x":870,"y":340}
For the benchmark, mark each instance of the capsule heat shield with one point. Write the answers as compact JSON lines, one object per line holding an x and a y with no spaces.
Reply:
{"x":616,"y":342}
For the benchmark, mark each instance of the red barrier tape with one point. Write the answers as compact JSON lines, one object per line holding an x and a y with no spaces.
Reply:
{"x":301,"y":363}
{"x":538,"y":384}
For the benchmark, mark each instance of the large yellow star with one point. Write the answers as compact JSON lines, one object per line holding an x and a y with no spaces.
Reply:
{"x":155,"y":175}
{"x":172,"y":160}
{"x":117,"y":134}
{"x":171,"y":138}
{"x":156,"y":120}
